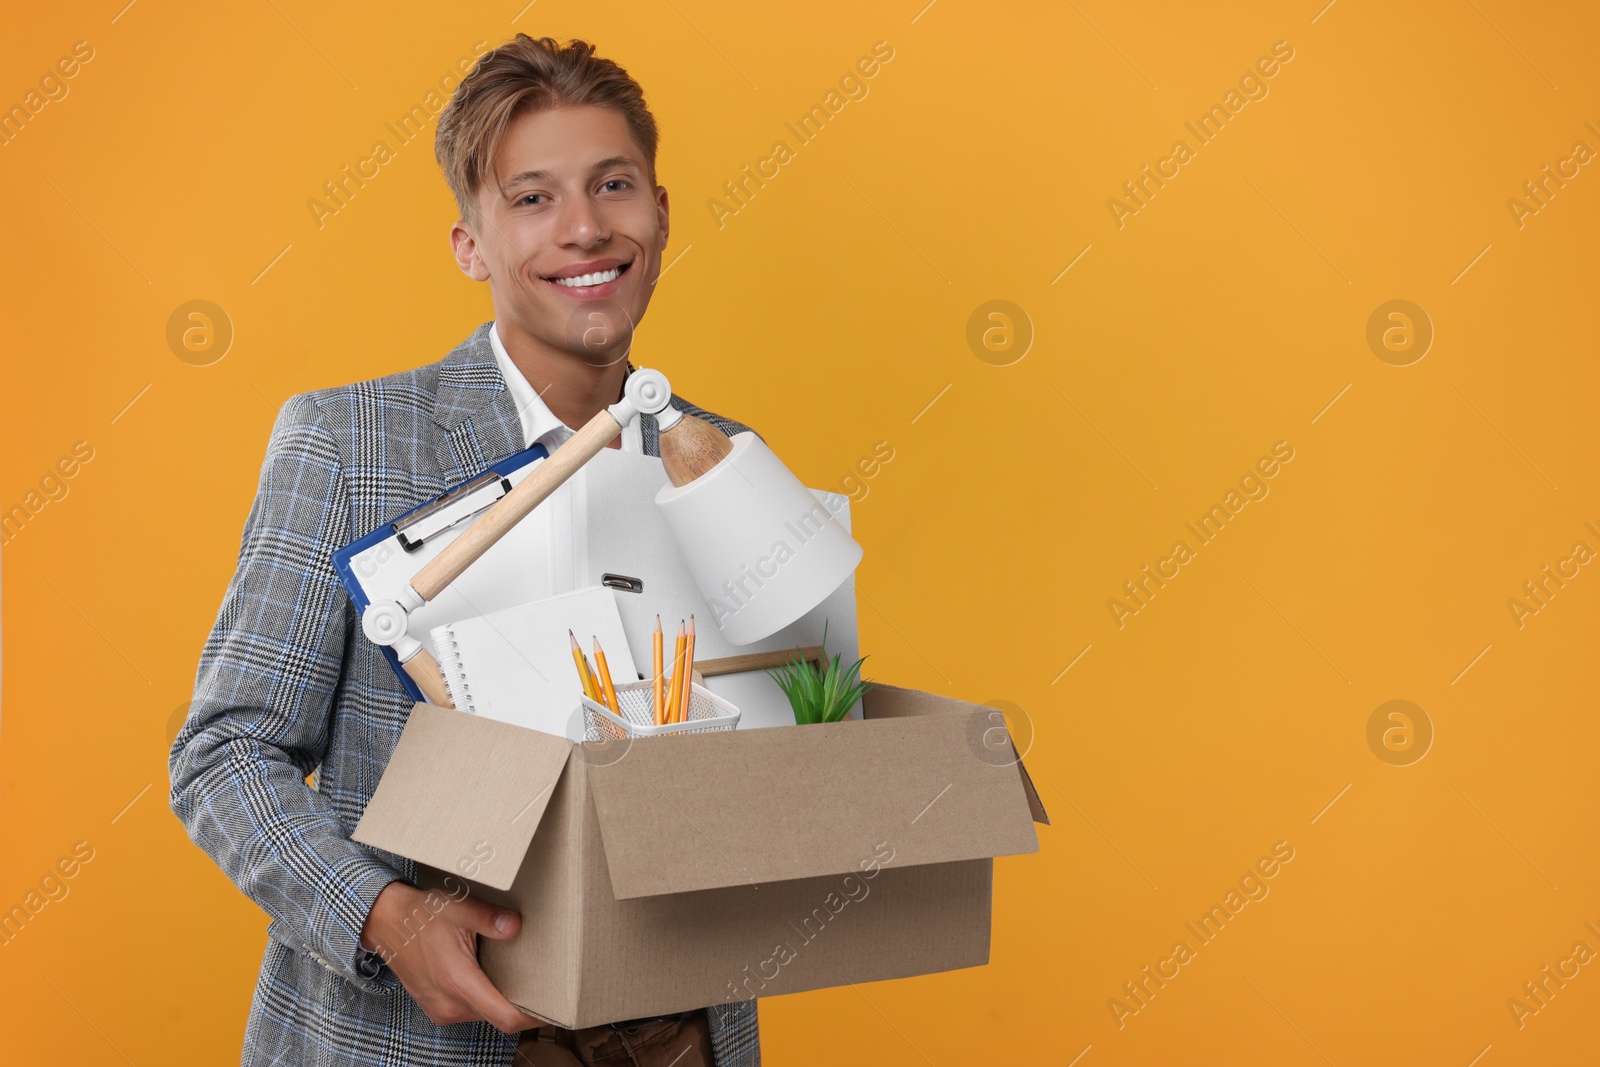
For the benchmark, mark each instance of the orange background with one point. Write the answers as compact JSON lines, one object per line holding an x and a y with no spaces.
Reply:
{"x":831,"y":312}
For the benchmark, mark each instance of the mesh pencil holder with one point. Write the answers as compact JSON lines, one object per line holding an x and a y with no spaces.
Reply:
{"x":707,"y":712}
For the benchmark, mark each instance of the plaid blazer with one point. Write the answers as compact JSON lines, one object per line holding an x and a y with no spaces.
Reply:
{"x":288,"y":684}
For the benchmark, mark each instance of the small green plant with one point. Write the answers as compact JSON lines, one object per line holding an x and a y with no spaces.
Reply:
{"x":819,"y":695}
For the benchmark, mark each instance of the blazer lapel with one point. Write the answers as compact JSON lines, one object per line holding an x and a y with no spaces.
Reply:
{"x":649,"y":436}
{"x":474,"y":409}
{"x":479,"y":419}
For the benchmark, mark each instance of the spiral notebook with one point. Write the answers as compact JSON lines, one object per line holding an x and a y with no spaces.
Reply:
{"x":515,"y":665}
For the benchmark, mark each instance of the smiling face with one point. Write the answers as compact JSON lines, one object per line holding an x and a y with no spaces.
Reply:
{"x":569,"y":234}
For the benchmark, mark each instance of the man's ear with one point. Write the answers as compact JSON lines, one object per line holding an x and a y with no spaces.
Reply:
{"x":662,"y":214}
{"x":465,"y":246}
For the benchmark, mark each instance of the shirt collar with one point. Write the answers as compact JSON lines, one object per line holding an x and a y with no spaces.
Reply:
{"x":537,"y":418}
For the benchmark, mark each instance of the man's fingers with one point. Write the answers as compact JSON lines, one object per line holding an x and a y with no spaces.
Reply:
{"x":484,"y":918}
{"x":475,"y":988}
{"x":460,"y":990}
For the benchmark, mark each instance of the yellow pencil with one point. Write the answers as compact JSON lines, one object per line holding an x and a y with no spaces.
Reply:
{"x":583,"y":669}
{"x":673,"y":691}
{"x":688,"y":676}
{"x":660,"y":686}
{"x":605,"y":678}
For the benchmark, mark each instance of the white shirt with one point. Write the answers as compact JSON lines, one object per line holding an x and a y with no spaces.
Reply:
{"x":539,"y":423}
{"x":540,"y":426}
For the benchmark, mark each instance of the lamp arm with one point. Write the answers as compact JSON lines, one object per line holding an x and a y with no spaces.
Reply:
{"x":423,"y":669}
{"x":512,"y":508}
{"x":385,"y":621}
{"x":646,"y":391}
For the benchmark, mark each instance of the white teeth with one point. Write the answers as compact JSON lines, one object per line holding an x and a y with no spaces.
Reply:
{"x":585,"y":280}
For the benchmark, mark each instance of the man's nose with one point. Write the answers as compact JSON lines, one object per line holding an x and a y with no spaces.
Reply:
{"x":583,"y":223}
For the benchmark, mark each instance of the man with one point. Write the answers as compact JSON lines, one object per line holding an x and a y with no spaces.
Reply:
{"x":550,"y":152}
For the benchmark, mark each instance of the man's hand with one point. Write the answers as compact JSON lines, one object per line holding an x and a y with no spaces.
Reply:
{"x":436,"y":955}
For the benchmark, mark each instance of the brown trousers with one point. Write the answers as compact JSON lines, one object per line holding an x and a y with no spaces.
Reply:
{"x":679,"y":1042}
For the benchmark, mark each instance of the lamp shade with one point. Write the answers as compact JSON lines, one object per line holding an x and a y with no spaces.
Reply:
{"x":762,"y":548}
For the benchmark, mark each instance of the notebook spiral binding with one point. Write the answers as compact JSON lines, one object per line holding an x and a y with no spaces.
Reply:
{"x":455,"y":678}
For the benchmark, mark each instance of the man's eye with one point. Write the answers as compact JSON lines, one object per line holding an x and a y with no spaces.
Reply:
{"x":620,"y":181}
{"x":529,"y":197}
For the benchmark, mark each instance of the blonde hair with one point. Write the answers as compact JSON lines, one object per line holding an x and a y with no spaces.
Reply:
{"x":526,"y":74}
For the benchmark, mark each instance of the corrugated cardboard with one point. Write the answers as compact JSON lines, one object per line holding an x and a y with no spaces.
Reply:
{"x":697,"y":869}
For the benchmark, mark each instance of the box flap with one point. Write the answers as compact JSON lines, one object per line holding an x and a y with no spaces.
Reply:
{"x":747,"y":807}
{"x":1035,"y":805}
{"x":464,"y":793}
{"x":886,"y":701}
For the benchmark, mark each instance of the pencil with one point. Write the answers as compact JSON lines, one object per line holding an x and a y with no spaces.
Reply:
{"x":584,"y":677}
{"x":673,"y":692}
{"x":660,"y":704}
{"x":688,"y":676}
{"x":605,"y":678}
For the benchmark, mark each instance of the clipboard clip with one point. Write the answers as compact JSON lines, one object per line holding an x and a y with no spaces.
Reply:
{"x":622,"y":582}
{"x":445,"y":511}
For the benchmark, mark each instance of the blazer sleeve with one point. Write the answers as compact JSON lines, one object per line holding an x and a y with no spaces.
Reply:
{"x":263,"y":697}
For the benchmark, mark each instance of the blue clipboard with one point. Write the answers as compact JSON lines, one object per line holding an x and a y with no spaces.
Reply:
{"x":406,"y":538}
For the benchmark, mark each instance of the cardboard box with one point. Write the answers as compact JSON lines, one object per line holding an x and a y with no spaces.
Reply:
{"x":671,"y":873}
